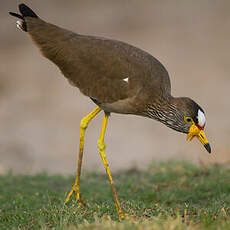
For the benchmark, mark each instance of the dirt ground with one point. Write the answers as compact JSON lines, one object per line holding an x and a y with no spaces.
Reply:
{"x":40,"y":112}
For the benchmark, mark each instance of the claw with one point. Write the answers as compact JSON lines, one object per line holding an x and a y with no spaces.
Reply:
{"x":122,"y":216}
{"x":77,"y":196}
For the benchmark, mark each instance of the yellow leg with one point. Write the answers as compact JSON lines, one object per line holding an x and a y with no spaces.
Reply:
{"x":101,"y":148}
{"x":76,"y":187}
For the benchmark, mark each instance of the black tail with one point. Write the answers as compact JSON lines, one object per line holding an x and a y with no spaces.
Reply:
{"x":25,"y":12}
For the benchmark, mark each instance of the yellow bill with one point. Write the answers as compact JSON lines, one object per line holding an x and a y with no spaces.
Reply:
{"x":194,"y":131}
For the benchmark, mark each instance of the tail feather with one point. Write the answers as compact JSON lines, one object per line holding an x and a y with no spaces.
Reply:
{"x":16,"y":15}
{"x":25,"y":12}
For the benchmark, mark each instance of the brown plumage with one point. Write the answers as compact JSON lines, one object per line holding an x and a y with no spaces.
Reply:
{"x":98,"y":67}
{"x":117,"y":76}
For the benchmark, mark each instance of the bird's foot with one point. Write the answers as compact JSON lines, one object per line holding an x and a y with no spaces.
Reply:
{"x":125,"y":216}
{"x":77,"y":195}
{"x":122,"y":216}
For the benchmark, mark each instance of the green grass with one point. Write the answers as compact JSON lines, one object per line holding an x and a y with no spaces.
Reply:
{"x":165,"y":196}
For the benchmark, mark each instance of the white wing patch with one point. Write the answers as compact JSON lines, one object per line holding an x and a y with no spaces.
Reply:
{"x":126,"y":79}
{"x":201,"y":118}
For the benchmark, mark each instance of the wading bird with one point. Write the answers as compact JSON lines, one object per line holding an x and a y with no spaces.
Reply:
{"x":119,"y":78}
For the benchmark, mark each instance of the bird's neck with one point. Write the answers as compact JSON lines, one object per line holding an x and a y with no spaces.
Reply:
{"x":167,"y":111}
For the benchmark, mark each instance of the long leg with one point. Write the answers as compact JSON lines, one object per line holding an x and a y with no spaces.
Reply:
{"x":101,"y":148}
{"x":84,"y":124}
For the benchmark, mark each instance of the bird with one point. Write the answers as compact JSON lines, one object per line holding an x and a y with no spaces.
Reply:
{"x":118,"y":78}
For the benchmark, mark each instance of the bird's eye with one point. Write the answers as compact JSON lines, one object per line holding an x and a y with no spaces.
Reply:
{"x":188,"y":120}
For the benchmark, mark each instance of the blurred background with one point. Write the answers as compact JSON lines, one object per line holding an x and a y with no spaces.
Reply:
{"x":40,"y":112}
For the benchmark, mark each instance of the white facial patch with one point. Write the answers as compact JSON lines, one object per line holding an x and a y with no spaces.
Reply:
{"x":201,"y":118}
{"x":126,"y":79}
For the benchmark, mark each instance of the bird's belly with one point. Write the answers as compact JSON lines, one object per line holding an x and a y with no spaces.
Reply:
{"x":125,"y":106}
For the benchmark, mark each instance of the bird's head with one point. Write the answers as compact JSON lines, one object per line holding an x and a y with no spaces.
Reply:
{"x":181,"y":114}
{"x":194,"y":121}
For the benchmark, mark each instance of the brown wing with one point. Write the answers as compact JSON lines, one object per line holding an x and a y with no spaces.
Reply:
{"x":103,"y":69}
